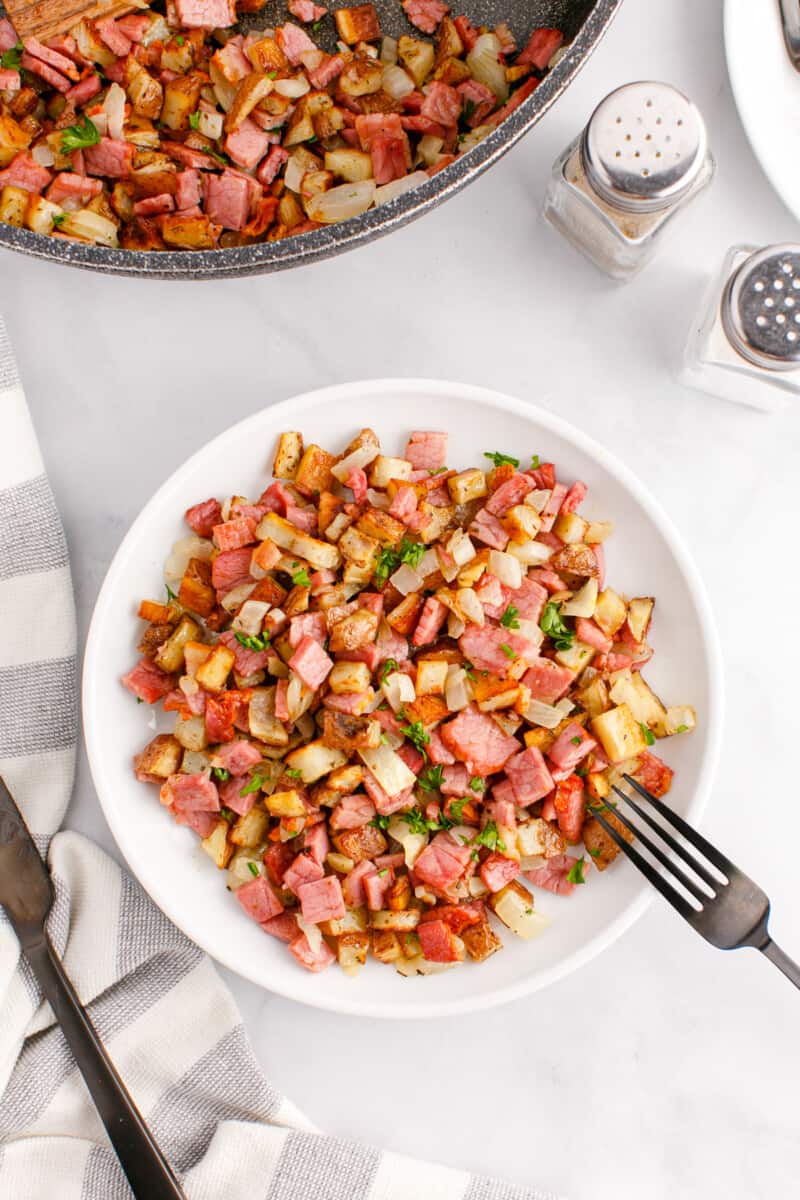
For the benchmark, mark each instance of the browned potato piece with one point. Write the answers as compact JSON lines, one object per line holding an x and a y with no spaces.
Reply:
{"x":378,"y":524}
{"x":359,"y":844}
{"x":180,"y":101}
{"x":287,"y":456}
{"x":13,"y":138}
{"x":576,"y":560}
{"x":217,"y":846}
{"x":619,"y":733}
{"x":314,"y":471}
{"x":356,"y":630}
{"x":13,"y":204}
{"x":480,"y":940}
{"x":601,"y":846}
{"x":187,"y":233}
{"x":403,"y":618}
{"x":359,"y":24}
{"x":170,"y":654}
{"x":351,"y":951}
{"x":428,"y":709}
{"x":213,"y":673}
{"x":161,"y":756}
{"x":361,"y":77}
{"x":266,"y":55}
{"x":340,"y":731}
{"x":146,"y":94}
{"x":249,"y":93}
{"x":386,"y":945}
{"x":196,"y":592}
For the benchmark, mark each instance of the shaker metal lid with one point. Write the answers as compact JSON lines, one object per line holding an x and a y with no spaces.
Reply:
{"x":761,"y":308}
{"x":644,"y":146}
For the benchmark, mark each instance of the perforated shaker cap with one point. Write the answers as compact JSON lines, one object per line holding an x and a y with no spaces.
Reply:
{"x":761,"y":308}
{"x":643,"y":147}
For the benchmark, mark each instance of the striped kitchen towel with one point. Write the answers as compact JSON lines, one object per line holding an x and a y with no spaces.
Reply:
{"x":170,"y":1024}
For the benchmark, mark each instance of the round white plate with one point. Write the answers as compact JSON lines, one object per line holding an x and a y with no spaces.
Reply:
{"x":645,"y":557}
{"x":766,"y":88}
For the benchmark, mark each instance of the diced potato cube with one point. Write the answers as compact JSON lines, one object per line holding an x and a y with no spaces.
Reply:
{"x":570,"y":527}
{"x":351,"y":165}
{"x":383,"y":468}
{"x":597,"y":785}
{"x":358,"y":24}
{"x":288,"y":455}
{"x":41,"y":214}
{"x":315,"y":760}
{"x":402,"y":920}
{"x":610,"y":612}
{"x":431,"y":676}
{"x":217,"y":846}
{"x":628,"y":687}
{"x":13,"y":139}
{"x":262,"y":721}
{"x":619,"y":733}
{"x":187,"y":233}
{"x":249,"y":92}
{"x":320,"y":555}
{"x":170,"y":655}
{"x":191,"y":732}
{"x":597,"y":532}
{"x":314,"y":469}
{"x":681,"y":718}
{"x":180,"y":101}
{"x":578,"y":656}
{"x":349,"y":677}
{"x":513,"y":904}
{"x":161,"y":756}
{"x":417,"y":57}
{"x":386,"y":946}
{"x":522,"y":523}
{"x":13,"y":204}
{"x":480,"y":940}
{"x":380,"y":525}
{"x":361,"y":77}
{"x":583,"y":602}
{"x":359,"y":548}
{"x":196,"y":591}
{"x":351,"y":951}
{"x":251,"y":830}
{"x":346,"y":779}
{"x":285,"y":804}
{"x":640,"y":610}
{"x":213,"y":673}
{"x":594,"y":697}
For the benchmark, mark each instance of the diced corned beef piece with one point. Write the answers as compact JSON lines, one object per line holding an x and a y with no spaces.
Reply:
{"x":442,"y":104}
{"x":370,"y":655}
{"x":437,"y":751}
{"x":188,"y":157}
{"x":352,"y":812}
{"x":321,"y":900}
{"x":329,"y":69}
{"x":230,"y":795}
{"x":227,"y":200}
{"x":246,"y":661}
{"x":502,"y":811}
{"x":404,"y":503}
{"x":202,"y":823}
{"x":110,"y":33}
{"x":310,"y":662}
{"x":547,"y":680}
{"x":553,"y":507}
{"x":231,"y":535}
{"x":442,"y":862}
{"x":493,"y":595}
{"x":438,"y":942}
{"x":374,"y":125}
{"x":229,"y":568}
{"x":302,"y":869}
{"x":109,"y":158}
{"x":426,"y":450}
{"x":478,"y":741}
{"x":654,"y":774}
{"x":152,"y":206}
{"x":258,"y":900}
{"x":386,"y":804}
{"x":317,"y":842}
{"x":497,"y":871}
{"x":191,"y":793}
{"x":426,"y":14}
{"x":283,"y":927}
{"x":237,"y":757}
{"x":148,"y":682}
{"x":482,"y":646}
{"x":431,"y":620}
{"x":487,"y":529}
{"x":60,"y":62}
{"x":10,"y":80}
{"x":247,"y":145}
{"x":187,"y":189}
{"x":481,"y":98}
{"x":60,"y":82}
{"x":570,"y":807}
{"x":357,"y":482}
{"x":552,"y":875}
{"x":529,"y":600}
{"x":115,"y":72}
{"x":310,"y":624}
{"x":419,"y":124}
{"x":391,"y":158}
{"x":519,"y":97}
{"x":294,"y":42}
{"x":411,"y":757}
{"x":134,"y":25}
{"x":376,"y":885}
{"x":512,"y":492}
{"x":271,"y":165}
{"x":203,"y":517}
{"x":8,"y":35}
{"x":590,"y":633}
{"x":455,"y":781}
{"x":219,"y":719}
{"x":312,"y":960}
{"x":571,"y":745}
{"x":503,"y":793}
{"x":206,"y":14}
{"x":306,"y":10}
{"x":354,"y":703}
{"x":529,"y":775}
{"x":24,"y":172}
{"x":353,"y":887}
{"x":85,"y":90}
{"x":541,"y":47}
{"x":574,"y":497}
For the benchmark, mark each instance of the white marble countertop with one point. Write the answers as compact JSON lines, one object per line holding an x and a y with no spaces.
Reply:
{"x":663,"y":1069}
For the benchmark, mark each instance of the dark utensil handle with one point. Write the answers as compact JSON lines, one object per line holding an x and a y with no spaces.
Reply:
{"x":147,"y":1171}
{"x":782,"y":961}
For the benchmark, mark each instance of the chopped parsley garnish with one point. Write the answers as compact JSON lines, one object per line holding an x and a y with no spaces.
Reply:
{"x":301,"y":579}
{"x":474,"y":856}
{"x":293,"y":773}
{"x":221,"y":774}
{"x":389,"y":666}
{"x":595,"y":853}
{"x":180,"y":41}
{"x":384,"y":740}
{"x":417,"y":734}
{"x":509,"y":619}
{"x":312,"y":139}
{"x":499,"y":459}
{"x":552,"y":624}
{"x":77,"y":137}
{"x":253,"y":869}
{"x":469,"y":671}
{"x":194,"y":120}
{"x":215,"y":154}
{"x":415,"y":821}
{"x":535,"y":463}
{"x":476,"y":784}
{"x":576,"y":741}
{"x":438,"y":471}
{"x":582,"y":772}
{"x":314,"y":27}
{"x":457,"y":807}
{"x":383,"y":872}
{"x":139,"y":700}
{"x":12,"y":59}
{"x":468,"y":110}
{"x":227,"y":814}
{"x":509,"y":653}
{"x":379,"y":822}
{"x":647,"y":734}
{"x":59,"y":219}
{"x":253,"y":784}
{"x":682,"y":729}
{"x":272,"y":75}
{"x":431,"y":778}
{"x":490,"y":838}
{"x":170,"y":594}
{"x":575,"y":873}
{"x":253,"y":641}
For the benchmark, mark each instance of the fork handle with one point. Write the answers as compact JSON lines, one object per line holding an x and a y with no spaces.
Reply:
{"x":782,"y":961}
{"x":147,"y":1171}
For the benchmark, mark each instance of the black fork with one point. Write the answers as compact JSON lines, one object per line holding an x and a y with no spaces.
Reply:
{"x":705,"y":887}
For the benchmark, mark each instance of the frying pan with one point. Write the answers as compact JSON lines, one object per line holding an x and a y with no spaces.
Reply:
{"x":582,"y":21}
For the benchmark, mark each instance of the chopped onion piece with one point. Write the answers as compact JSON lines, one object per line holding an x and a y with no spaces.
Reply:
{"x":485,"y":65}
{"x":295,"y":170}
{"x":545,"y":715}
{"x":398,"y":186}
{"x":43,"y":155}
{"x":389,"y":50}
{"x":299,"y":698}
{"x":474,"y":136}
{"x":185,"y":548}
{"x":114,"y":108}
{"x":406,"y":579}
{"x":359,"y":458}
{"x":470,"y":606}
{"x":312,"y":932}
{"x":413,"y":843}
{"x":584,"y":601}
{"x":429,"y":149}
{"x":427,"y":564}
{"x":538,"y":499}
{"x":236,"y":596}
{"x":250,"y":617}
{"x":378,"y":499}
{"x":389,"y":769}
{"x":397,"y":82}
{"x":292,"y":88}
{"x":399,"y":690}
{"x":530,"y":553}
{"x":211,"y":124}
{"x":342,"y":202}
{"x":455,"y":689}
{"x":459,"y":547}
{"x":449,"y":569}
{"x":506,"y":568}
{"x":531,"y":631}
{"x":455,"y":626}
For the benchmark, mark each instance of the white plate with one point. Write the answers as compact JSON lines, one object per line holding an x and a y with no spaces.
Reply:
{"x":645,"y":557}
{"x":766,"y":88}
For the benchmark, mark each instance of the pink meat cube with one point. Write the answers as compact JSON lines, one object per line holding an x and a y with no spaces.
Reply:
{"x":148,"y":682}
{"x":497,"y":871}
{"x":311,"y":663}
{"x":258,"y":900}
{"x":206,"y":14}
{"x":425,"y":450}
{"x":237,"y":757}
{"x":312,"y":960}
{"x":376,"y":886}
{"x":303,"y":869}
{"x":529,"y":776}
{"x":547,"y":681}
{"x":478,"y":741}
{"x":442,"y":862}
{"x":570,"y":747}
{"x":321,"y":900}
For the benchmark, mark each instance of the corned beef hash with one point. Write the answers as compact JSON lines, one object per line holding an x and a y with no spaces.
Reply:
{"x":167,"y":129}
{"x":399,"y":691}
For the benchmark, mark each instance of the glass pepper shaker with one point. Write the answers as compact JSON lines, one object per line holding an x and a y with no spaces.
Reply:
{"x":642,"y":157}
{"x":745,"y":343}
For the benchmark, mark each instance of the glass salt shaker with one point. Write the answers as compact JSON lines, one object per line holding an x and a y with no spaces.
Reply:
{"x":642,"y":157}
{"x":745,"y":343}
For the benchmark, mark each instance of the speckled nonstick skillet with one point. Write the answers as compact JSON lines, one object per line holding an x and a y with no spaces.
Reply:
{"x":583,"y":21}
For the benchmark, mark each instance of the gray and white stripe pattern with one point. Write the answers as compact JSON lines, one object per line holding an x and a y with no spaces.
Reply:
{"x":223,"y":1127}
